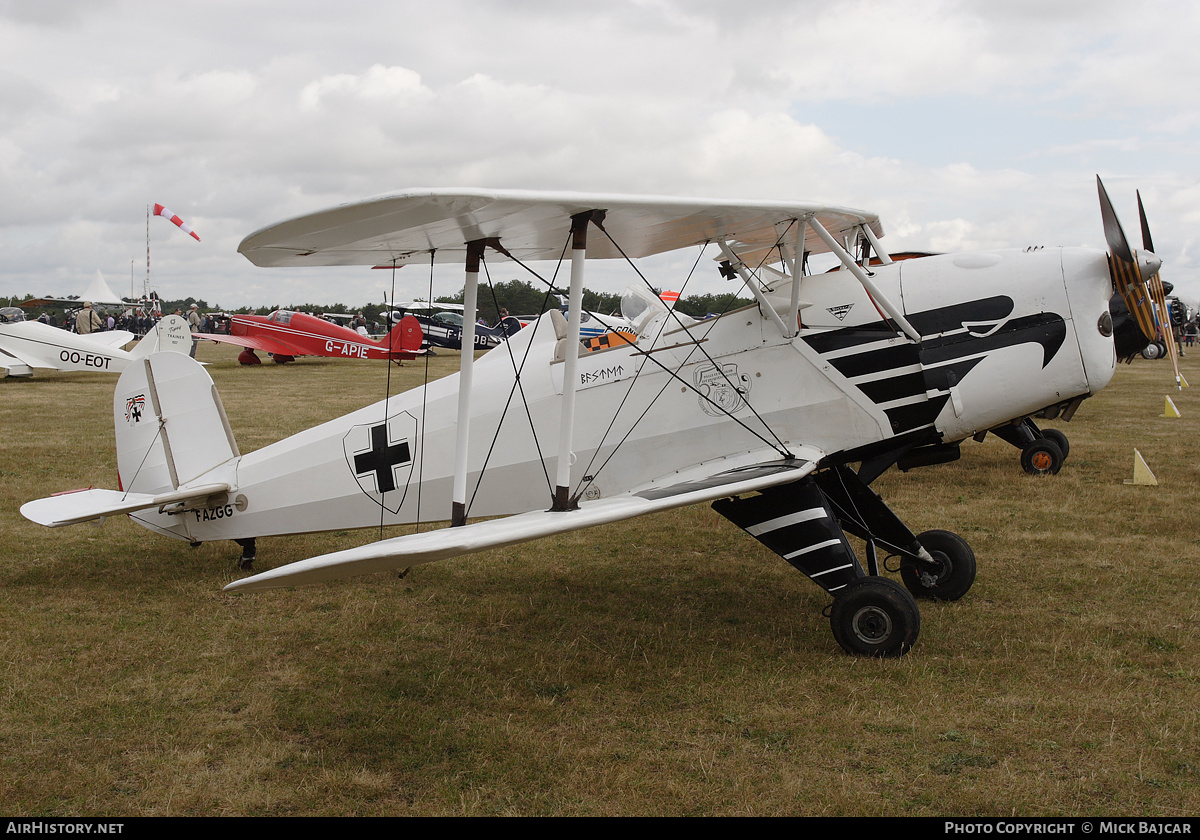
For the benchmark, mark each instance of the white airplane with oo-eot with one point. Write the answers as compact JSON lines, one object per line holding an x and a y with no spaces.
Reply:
{"x":779,"y":414}
{"x":25,"y":345}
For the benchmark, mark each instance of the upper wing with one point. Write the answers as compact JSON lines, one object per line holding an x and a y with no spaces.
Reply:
{"x":408,"y":225}
{"x":264,"y":343}
{"x":414,"y":549}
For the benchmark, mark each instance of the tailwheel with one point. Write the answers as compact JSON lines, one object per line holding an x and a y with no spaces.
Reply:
{"x":1042,"y":457}
{"x":949,"y":576}
{"x":875,"y":616}
{"x":249,"y":550}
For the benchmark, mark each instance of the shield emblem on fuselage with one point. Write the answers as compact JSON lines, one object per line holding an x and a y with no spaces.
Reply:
{"x":380,"y":456}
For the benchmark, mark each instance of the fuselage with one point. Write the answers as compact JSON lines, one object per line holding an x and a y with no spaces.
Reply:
{"x":1004,"y":334}
{"x":308,"y":335}
{"x":44,"y":346}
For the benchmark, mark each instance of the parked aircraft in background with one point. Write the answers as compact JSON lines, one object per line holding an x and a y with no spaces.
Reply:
{"x":442,"y":325}
{"x":285,"y":334}
{"x":25,"y":345}
{"x":763,"y":411}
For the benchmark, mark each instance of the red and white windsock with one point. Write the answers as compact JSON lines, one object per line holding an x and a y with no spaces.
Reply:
{"x":669,"y":298}
{"x":159,"y":210}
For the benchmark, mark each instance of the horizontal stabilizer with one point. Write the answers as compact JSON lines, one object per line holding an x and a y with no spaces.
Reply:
{"x":415,"y":549}
{"x":114,"y":339}
{"x":86,"y":505}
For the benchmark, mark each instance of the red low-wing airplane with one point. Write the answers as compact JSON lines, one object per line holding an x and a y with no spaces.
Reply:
{"x":286,"y":334}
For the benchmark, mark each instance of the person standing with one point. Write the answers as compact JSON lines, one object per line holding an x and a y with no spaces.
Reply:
{"x":87,"y":321}
{"x":193,"y":320}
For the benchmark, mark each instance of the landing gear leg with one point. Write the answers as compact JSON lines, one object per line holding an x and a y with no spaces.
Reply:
{"x":806,"y":524}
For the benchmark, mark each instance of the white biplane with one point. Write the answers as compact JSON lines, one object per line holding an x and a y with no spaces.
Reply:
{"x":25,"y":345}
{"x":761,"y":411}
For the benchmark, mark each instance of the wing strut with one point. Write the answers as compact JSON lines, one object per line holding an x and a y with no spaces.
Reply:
{"x":797,"y":276}
{"x":864,"y":278}
{"x":458,"y":503}
{"x":562,"y":484}
{"x":740,"y":267}
{"x":880,"y":251}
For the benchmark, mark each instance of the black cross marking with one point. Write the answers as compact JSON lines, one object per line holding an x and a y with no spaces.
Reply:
{"x":381,"y":458}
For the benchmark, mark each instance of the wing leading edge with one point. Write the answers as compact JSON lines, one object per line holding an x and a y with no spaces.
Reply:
{"x":427,"y":547}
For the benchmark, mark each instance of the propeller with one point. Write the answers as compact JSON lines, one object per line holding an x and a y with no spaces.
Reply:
{"x":1135,"y":321}
{"x":1158,"y":291}
{"x":1139,"y":309}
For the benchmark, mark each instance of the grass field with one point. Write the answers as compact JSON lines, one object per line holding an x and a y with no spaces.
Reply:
{"x":667,"y":666}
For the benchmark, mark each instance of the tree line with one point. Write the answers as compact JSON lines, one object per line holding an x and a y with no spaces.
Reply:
{"x":519,"y":297}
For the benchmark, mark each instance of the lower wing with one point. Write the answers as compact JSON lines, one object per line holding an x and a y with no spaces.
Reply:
{"x":11,"y":355}
{"x":415,"y":549}
{"x":257,"y":342}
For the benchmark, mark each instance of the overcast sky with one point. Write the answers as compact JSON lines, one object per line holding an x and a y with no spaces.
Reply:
{"x":965,"y":125}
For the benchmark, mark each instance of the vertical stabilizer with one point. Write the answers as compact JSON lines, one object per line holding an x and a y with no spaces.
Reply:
{"x":405,"y":337}
{"x":170,"y":425}
{"x":170,"y":334}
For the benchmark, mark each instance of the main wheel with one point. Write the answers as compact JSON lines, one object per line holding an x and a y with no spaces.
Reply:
{"x":1154,"y":350}
{"x":875,"y":616}
{"x":1059,"y":438}
{"x":1042,"y":457}
{"x":954,"y":573}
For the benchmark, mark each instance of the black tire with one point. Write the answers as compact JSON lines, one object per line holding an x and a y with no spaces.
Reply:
{"x":1042,"y":457}
{"x":875,"y":616}
{"x":955,"y":571}
{"x":1153,"y":350}
{"x":1060,"y":439}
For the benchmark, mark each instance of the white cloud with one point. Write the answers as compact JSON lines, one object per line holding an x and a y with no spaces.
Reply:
{"x":963,"y":124}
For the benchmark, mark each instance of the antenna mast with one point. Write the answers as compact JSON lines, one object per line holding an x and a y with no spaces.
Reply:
{"x":147,"y":290}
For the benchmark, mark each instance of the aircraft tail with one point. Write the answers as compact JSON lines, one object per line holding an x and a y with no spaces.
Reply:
{"x":169,"y":422}
{"x":170,"y":334}
{"x":405,"y":337}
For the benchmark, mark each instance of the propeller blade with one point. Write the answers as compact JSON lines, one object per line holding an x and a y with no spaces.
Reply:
{"x":1129,"y":272}
{"x":1147,"y":242}
{"x":1118,"y":245}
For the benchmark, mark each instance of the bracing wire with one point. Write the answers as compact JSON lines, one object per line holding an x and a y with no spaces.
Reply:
{"x":778,"y":443}
{"x":387,"y":394}
{"x":518,"y":369}
{"x":424,"y":403}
